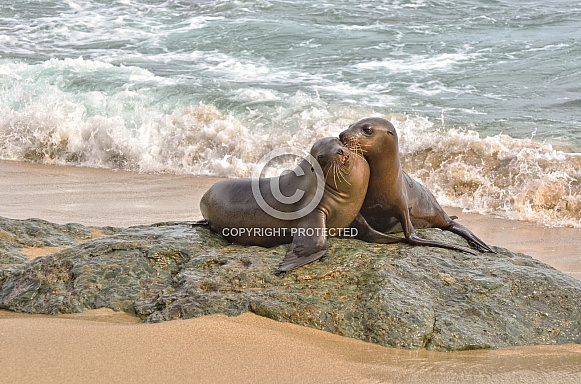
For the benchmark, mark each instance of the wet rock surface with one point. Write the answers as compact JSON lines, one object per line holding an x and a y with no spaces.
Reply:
{"x":392,"y":295}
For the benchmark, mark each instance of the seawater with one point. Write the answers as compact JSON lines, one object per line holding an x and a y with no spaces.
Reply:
{"x":486,"y":96}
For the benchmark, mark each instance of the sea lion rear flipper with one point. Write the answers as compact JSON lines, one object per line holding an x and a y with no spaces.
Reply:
{"x":309,"y":242}
{"x":366,"y":233}
{"x":415,"y":240}
{"x":474,"y":241}
{"x":203,"y":223}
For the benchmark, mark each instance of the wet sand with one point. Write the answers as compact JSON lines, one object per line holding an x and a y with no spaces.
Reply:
{"x":103,"y":346}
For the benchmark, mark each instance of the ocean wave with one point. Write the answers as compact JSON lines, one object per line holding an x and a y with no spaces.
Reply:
{"x":514,"y":178}
{"x":48,"y":115}
{"x":519,"y":179}
{"x":123,"y":120}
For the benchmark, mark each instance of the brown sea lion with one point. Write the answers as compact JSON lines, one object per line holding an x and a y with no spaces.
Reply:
{"x":393,"y":198}
{"x":254,"y":211}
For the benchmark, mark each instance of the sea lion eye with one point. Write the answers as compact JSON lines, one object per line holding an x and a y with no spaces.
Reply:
{"x":367,"y":129}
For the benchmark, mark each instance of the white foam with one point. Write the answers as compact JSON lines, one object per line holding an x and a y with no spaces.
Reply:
{"x":440,"y":62}
{"x":255,"y":95}
{"x":515,"y":178}
{"x":198,"y":22}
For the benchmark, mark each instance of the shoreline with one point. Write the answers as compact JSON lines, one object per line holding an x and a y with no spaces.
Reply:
{"x":102,"y":345}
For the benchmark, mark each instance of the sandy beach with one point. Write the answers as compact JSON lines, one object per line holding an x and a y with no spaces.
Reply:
{"x":104,"y":346}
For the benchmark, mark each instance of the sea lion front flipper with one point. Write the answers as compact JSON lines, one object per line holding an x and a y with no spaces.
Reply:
{"x":293,"y":261}
{"x":366,"y":233}
{"x":309,"y":242}
{"x":201,"y":223}
{"x":474,"y":241}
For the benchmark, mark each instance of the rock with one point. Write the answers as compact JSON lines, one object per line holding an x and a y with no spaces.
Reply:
{"x":16,"y":235}
{"x":393,"y":295}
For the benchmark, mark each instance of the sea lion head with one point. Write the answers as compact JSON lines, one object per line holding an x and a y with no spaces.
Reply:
{"x":370,"y":136}
{"x":329,"y":152}
{"x":336,"y":160}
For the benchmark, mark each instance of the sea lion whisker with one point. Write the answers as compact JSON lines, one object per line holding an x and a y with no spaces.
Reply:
{"x":345,"y":171}
{"x":355,"y":147}
{"x":351,"y":143}
{"x":355,"y":143}
{"x":342,"y":175}
{"x":334,"y":173}
{"x":328,"y":170}
{"x":339,"y":167}
{"x":340,"y":171}
{"x":358,"y":150}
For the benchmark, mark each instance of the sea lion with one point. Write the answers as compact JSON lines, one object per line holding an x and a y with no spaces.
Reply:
{"x":393,"y":197}
{"x":231,"y":208}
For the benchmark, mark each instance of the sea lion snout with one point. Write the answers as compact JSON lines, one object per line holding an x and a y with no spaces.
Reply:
{"x":349,"y":141}
{"x":347,"y":138}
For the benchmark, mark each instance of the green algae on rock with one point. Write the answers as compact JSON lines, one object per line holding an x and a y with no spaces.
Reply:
{"x":15,"y":235}
{"x":393,"y":295}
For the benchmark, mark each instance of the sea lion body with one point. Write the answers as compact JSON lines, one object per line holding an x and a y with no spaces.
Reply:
{"x":424,"y":209}
{"x":231,"y":209}
{"x":394,"y":200}
{"x":231,"y":221}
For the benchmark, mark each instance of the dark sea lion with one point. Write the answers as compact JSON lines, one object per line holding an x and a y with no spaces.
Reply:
{"x":393,"y":198}
{"x":231,"y":207}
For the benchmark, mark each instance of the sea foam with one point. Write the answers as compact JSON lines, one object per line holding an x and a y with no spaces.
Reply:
{"x":513,"y":178}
